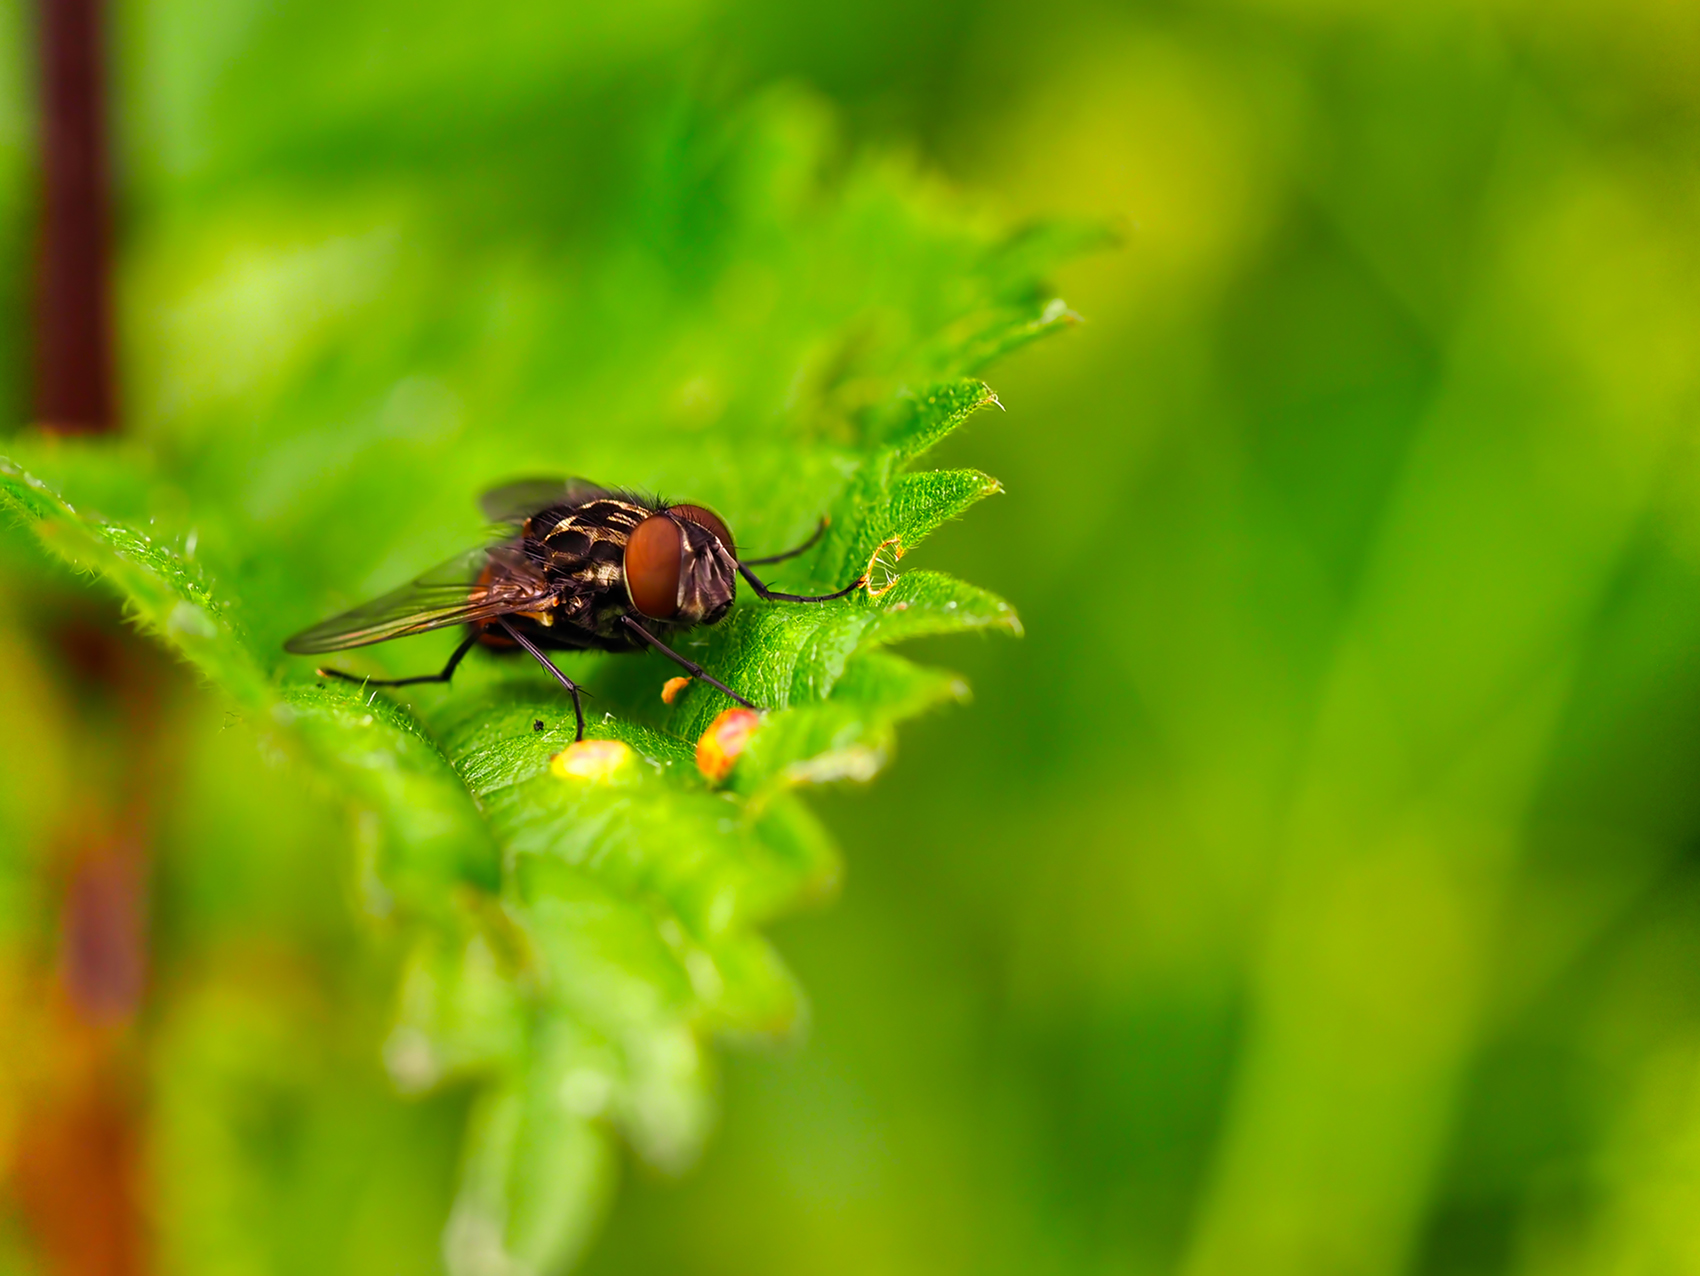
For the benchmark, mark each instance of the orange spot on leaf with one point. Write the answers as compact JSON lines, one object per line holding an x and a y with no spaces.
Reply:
{"x":724,"y":741}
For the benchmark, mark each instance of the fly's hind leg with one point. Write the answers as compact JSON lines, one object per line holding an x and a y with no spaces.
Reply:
{"x":447,"y":673}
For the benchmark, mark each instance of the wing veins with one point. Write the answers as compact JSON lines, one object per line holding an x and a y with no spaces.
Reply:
{"x":436,"y":600}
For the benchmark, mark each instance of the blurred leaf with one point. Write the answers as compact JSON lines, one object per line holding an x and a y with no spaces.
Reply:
{"x":379,"y":754}
{"x":537,"y":1171}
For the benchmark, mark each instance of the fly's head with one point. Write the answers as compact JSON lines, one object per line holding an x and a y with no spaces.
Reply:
{"x":682,"y":567}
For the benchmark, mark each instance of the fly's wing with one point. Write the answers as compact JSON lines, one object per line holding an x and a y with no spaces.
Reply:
{"x":479,"y":585}
{"x":517,"y":501}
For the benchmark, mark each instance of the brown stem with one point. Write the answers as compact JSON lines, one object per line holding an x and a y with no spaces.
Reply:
{"x":76,"y":1165}
{"x":73,"y":340}
{"x":78,"y":1149}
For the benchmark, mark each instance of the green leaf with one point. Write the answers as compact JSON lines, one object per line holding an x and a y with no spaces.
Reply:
{"x":431,"y":835}
{"x":571,"y":943}
{"x":164,"y":593}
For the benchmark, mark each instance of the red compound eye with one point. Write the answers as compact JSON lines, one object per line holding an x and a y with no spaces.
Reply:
{"x":652,"y":566}
{"x":706,"y":518}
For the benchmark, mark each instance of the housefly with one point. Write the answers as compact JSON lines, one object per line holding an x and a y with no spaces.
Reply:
{"x":581,"y":568}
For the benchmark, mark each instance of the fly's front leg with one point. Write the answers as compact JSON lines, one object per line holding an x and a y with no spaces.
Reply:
{"x":773,"y":595}
{"x":820,"y":530}
{"x":689,"y":666}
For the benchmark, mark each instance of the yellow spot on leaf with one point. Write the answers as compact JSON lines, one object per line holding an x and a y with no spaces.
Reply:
{"x":590,"y":760}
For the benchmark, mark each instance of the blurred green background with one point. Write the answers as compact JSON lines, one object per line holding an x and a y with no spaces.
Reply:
{"x":1312,"y":890}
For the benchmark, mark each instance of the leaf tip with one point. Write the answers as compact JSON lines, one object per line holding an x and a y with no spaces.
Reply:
{"x":1058,"y":311}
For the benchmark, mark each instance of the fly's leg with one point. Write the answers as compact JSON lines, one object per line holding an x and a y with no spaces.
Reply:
{"x":448,"y":671}
{"x":820,"y":531}
{"x":773,"y":595}
{"x":571,"y":686}
{"x":689,"y":666}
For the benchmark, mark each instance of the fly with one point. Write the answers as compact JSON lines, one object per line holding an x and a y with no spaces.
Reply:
{"x":583,"y":568}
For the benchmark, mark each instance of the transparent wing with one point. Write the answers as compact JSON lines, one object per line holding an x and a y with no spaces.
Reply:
{"x":517,"y":501}
{"x":478,"y":585}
